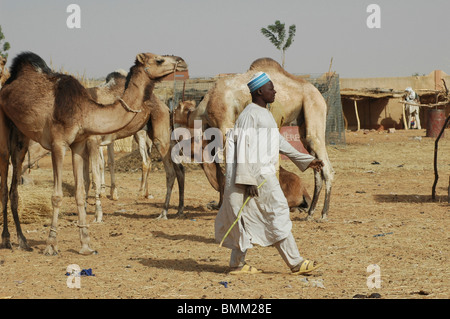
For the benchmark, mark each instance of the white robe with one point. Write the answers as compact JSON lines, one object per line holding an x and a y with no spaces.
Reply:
{"x":265,"y":219}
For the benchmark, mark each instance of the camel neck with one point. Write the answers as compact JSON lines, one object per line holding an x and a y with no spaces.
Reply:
{"x":138,"y":88}
{"x":114,"y":117}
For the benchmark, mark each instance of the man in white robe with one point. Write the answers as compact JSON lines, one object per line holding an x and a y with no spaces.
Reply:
{"x":253,"y":148}
{"x":412,"y":111}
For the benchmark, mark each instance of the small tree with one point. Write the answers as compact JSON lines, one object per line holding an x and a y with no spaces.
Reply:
{"x":277,"y":35}
{"x":4,"y":46}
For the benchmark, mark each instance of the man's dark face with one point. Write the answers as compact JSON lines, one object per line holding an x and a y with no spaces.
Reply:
{"x":268,"y":92}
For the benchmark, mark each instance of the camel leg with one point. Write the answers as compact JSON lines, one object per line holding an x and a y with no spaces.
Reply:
{"x":58,"y":152}
{"x":114,"y":195}
{"x":172,"y":170}
{"x":214,"y":174}
{"x":19,"y":147}
{"x":180,"y":174}
{"x":102,"y":171}
{"x":93,"y":156}
{"x":4,"y":163}
{"x":158,"y":130}
{"x":316,"y":145}
{"x":326,"y":175}
{"x":80,"y":196}
{"x":145,"y":148}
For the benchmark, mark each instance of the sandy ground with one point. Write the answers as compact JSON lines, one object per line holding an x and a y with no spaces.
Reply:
{"x":381,"y":214}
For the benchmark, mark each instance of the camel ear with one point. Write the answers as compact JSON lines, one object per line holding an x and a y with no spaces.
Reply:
{"x":141,"y":58}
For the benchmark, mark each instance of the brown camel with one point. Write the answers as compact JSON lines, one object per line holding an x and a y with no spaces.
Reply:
{"x":291,"y":184}
{"x":56,"y":111}
{"x":293,"y":189}
{"x":152,"y":125}
{"x":301,"y":102}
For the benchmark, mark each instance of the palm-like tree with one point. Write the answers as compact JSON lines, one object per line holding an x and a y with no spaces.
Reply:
{"x":4,"y":46}
{"x":277,"y":35}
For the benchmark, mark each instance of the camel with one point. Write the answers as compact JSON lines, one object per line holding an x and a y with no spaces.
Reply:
{"x":152,"y":125}
{"x":293,"y":189}
{"x":56,"y":111}
{"x":4,"y":73}
{"x":301,"y":101}
{"x":291,"y":184}
{"x":35,"y":153}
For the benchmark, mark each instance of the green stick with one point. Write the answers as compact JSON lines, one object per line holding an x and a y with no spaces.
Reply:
{"x":238,"y":216}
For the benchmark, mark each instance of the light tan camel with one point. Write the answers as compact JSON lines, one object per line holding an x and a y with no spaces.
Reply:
{"x":35,"y":153}
{"x":301,"y":102}
{"x":4,"y":73}
{"x":151,"y":126}
{"x":291,"y":184}
{"x":56,"y":111}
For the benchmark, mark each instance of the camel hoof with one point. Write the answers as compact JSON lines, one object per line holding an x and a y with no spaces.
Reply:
{"x":114,"y":195}
{"x":24,"y":246}
{"x":162,"y":216}
{"x":88,"y":251}
{"x":310,"y":218}
{"x":181,"y":215}
{"x":6,"y":245}
{"x":213,"y":205}
{"x":51,"y":251}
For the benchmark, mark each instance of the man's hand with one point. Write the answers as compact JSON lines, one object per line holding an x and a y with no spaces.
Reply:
{"x":316,"y":165}
{"x":251,"y":190}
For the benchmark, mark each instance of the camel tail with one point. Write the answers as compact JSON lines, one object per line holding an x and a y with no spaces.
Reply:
{"x":27,"y":58}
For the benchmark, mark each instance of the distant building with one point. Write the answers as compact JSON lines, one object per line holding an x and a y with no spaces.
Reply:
{"x":179,"y":76}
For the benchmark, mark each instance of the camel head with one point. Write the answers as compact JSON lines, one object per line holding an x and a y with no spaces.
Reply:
{"x":181,"y":113}
{"x":157,"y":66}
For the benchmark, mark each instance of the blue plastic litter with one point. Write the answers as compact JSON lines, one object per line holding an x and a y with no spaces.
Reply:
{"x":224,"y":283}
{"x":384,"y":234}
{"x":83,"y":272}
{"x":86,"y":272}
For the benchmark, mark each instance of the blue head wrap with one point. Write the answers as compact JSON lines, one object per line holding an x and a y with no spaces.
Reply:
{"x":258,"y":80}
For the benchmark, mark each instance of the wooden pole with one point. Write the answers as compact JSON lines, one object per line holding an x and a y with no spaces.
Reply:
{"x":436,"y":176}
{"x":426,"y":105}
{"x":448,"y":190}
{"x":357,"y":116}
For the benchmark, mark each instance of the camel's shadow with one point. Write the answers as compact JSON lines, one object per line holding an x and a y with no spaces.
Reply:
{"x":182,"y":265}
{"x":407,"y":198}
{"x":178,"y":237}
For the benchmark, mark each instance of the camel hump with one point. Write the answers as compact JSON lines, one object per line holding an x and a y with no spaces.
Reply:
{"x":27,"y":58}
{"x":269,"y":64}
{"x":118,"y":74}
{"x":69,"y":94}
{"x":265,"y":63}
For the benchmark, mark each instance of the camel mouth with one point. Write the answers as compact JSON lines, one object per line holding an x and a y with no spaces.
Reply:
{"x":181,"y":66}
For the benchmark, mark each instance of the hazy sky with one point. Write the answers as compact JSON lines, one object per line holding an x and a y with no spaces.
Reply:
{"x":224,"y":36}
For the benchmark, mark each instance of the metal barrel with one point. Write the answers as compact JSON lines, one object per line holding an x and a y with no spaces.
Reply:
{"x":436,"y":120}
